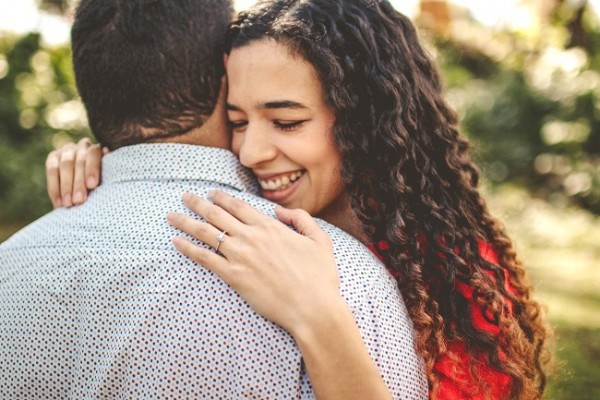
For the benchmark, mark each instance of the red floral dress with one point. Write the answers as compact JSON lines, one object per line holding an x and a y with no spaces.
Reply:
{"x":453,"y":366}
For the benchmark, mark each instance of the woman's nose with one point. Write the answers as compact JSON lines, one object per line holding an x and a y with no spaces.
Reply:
{"x":255,"y":146}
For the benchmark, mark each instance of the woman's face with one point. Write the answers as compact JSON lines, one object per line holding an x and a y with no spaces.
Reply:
{"x":282,"y":129}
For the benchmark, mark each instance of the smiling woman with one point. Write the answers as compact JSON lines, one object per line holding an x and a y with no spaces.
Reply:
{"x":282,"y":129}
{"x":383,"y":127}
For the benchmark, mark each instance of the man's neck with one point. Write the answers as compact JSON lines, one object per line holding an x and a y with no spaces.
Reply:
{"x":207,"y":135}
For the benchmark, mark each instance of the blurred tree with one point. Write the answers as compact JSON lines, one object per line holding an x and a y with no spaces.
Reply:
{"x":39,"y":110}
{"x":434,"y":15}
{"x":530,"y":97}
{"x":56,"y":6}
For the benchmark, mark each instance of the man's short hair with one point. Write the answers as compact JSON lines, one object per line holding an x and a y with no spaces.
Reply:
{"x":148,"y":69}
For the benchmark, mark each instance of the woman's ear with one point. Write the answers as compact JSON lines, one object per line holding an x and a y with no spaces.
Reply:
{"x":225,"y":58}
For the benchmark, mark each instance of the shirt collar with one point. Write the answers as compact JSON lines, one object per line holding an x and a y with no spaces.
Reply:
{"x":168,"y":161}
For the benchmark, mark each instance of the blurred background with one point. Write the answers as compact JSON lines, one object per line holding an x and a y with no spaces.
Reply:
{"x":524,"y":76}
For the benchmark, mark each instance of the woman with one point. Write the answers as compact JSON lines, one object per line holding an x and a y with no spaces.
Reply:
{"x":399,"y":178}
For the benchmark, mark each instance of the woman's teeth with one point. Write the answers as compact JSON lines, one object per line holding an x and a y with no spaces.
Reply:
{"x":281,"y":182}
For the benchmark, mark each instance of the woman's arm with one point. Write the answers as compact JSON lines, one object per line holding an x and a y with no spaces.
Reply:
{"x":290,"y":278}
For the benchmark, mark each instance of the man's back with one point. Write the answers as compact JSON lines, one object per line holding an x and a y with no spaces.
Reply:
{"x":95,"y":302}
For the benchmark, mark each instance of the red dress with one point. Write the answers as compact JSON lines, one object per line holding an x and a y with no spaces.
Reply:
{"x":453,"y":367}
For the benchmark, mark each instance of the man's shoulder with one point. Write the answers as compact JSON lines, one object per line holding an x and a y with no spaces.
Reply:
{"x":32,"y":233}
{"x":349,"y":249}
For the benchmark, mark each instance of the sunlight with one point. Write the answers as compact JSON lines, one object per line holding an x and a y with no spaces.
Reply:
{"x":23,"y":16}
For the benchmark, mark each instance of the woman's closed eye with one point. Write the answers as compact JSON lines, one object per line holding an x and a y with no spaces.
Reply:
{"x":288,"y":126}
{"x":237,"y":125}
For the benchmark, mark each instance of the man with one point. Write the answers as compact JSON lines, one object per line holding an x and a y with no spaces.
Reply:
{"x":96,"y":303}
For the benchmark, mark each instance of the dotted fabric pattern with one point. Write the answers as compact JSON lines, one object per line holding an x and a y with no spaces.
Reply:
{"x":96,"y":303}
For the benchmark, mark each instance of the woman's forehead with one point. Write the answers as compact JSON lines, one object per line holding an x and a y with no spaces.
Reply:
{"x":266,"y":71}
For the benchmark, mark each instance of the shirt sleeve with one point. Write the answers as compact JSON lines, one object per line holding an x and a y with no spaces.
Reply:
{"x":388,"y":333}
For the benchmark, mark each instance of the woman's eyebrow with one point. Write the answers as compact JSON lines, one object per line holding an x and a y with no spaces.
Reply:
{"x":284,"y":104}
{"x":273,"y":105}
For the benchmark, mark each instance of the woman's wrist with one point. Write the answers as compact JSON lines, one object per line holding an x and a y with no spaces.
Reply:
{"x":327,"y":317}
{"x":336,"y":358}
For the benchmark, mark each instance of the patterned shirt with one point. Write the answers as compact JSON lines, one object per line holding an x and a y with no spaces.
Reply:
{"x":96,"y":303}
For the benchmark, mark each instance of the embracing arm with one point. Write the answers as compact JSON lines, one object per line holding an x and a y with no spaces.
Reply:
{"x":292,"y":281}
{"x":335,"y":356}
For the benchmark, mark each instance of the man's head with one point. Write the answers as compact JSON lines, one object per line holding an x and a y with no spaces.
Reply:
{"x":148,"y":70}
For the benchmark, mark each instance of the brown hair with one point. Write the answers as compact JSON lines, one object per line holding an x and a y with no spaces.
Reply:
{"x":148,"y":70}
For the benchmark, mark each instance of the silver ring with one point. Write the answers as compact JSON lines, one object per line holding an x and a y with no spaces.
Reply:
{"x":220,"y":239}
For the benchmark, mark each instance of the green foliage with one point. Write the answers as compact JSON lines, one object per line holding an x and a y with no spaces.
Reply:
{"x":560,"y":249}
{"x":39,"y":111}
{"x":578,"y":352}
{"x":532,"y":110}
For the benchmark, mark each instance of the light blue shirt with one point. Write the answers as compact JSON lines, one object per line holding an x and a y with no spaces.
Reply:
{"x":96,"y":303}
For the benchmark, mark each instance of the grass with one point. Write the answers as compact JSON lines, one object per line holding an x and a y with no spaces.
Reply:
{"x":561,"y":251}
{"x":578,"y":373}
{"x":560,"y":248}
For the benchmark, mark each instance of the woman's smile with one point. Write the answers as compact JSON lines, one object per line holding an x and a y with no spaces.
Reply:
{"x":282,"y":127}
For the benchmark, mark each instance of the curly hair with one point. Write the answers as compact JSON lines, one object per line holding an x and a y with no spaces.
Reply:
{"x":411,"y":181}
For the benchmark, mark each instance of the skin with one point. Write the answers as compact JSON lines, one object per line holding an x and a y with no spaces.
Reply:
{"x":278,"y":132}
{"x":280,"y":126}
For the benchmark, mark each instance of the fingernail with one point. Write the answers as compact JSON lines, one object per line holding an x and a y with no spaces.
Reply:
{"x":58,"y":203}
{"x":78,"y":197}
{"x":211,"y":193}
{"x":186,"y":196}
{"x":170,"y":217}
{"x":67,"y":200}
{"x":91,"y":181}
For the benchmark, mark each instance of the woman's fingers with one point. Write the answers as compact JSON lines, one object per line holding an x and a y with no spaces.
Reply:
{"x":213,"y":214}
{"x":71,"y":171}
{"x":79,"y":184}
{"x":303,"y":223}
{"x":203,"y":256}
{"x":66,"y":171}
{"x":93,"y":162}
{"x":241,"y":210}
{"x":204,"y":232}
{"x":53,"y":178}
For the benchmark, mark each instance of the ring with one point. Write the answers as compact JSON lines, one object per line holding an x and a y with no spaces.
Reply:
{"x":220,"y":239}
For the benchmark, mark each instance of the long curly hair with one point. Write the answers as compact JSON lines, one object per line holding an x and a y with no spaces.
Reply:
{"x":411,"y":181}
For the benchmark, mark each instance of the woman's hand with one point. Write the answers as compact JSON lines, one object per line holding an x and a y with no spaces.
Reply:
{"x":291,"y":279}
{"x":72,"y":171}
{"x":286,"y":276}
